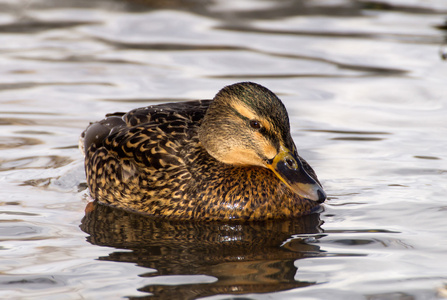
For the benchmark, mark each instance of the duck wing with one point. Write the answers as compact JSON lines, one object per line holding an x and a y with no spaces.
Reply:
{"x":150,"y":116}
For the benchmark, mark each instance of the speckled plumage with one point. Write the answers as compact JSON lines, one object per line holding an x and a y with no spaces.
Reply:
{"x":150,"y":160}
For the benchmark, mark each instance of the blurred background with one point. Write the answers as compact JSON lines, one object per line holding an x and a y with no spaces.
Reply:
{"x":365,"y":86}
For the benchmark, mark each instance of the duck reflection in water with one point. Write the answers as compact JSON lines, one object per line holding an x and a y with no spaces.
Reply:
{"x":253,"y":257}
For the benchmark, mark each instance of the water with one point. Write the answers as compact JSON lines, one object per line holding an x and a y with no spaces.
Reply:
{"x":365,"y":86}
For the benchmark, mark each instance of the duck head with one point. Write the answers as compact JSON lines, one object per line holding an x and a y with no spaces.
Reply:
{"x":248,"y":125}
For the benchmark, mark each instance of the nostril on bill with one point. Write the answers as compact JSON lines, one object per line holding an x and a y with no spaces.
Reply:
{"x":290,"y":163}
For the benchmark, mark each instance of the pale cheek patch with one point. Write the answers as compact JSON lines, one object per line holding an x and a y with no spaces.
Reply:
{"x":268,"y":150}
{"x":242,"y":157}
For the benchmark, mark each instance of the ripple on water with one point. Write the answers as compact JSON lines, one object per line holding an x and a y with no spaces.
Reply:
{"x":32,"y":282}
{"x":16,"y":213}
{"x":35,"y":162}
{"x":21,"y":232}
{"x":10,"y":142}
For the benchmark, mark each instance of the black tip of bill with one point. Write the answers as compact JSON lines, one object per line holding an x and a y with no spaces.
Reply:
{"x":321,"y":196}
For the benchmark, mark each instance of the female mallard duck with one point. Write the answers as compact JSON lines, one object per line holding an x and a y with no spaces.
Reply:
{"x":230,"y":158}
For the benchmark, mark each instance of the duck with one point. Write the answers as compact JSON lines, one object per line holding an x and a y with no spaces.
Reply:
{"x":229,"y":158}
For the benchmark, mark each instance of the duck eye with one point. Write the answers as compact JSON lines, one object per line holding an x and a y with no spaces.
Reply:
{"x":255,"y":124}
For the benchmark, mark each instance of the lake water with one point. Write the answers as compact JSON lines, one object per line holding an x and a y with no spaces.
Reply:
{"x":365,"y":84}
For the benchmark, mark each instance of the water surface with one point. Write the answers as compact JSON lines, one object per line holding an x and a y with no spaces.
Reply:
{"x":365,"y":86}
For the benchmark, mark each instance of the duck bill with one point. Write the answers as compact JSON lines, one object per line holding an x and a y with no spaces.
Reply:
{"x":289,"y":168}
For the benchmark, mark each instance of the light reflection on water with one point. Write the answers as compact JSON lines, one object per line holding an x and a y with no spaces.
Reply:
{"x":364,"y":83}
